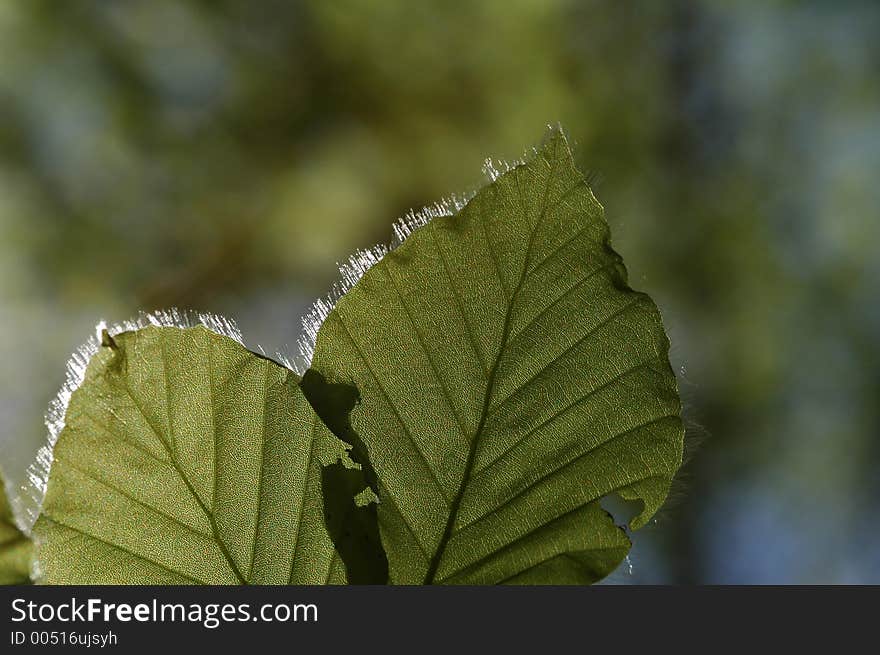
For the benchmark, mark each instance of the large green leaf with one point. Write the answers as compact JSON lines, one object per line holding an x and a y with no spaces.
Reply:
{"x":15,"y":548}
{"x":185,"y":458}
{"x":510,"y":379}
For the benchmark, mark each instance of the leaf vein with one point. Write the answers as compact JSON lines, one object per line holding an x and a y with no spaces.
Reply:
{"x":544,"y":477}
{"x":393,"y":407}
{"x":446,"y":395}
{"x":511,"y":544}
{"x":125,"y":550}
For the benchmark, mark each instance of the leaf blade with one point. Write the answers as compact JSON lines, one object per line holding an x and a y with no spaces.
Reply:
{"x":168,"y":472}
{"x":470,"y":343}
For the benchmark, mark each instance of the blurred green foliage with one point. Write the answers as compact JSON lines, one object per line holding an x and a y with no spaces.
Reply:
{"x":167,"y":153}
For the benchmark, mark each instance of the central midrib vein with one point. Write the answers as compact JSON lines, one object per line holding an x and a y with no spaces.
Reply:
{"x":209,"y":514}
{"x":490,"y":385}
{"x":472,"y":453}
{"x":176,"y":466}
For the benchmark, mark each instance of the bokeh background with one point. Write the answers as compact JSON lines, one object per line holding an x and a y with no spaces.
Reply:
{"x":224,"y":155}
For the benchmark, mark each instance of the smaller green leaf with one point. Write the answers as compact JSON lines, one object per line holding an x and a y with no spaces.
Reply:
{"x":185,"y":458}
{"x":16,"y":549}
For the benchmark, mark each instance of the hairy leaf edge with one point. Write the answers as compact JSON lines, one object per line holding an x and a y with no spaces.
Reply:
{"x":27,"y":504}
{"x":361,"y":261}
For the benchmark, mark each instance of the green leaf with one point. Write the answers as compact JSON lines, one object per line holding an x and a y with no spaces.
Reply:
{"x":15,"y":548}
{"x":184,"y":458}
{"x":510,"y":379}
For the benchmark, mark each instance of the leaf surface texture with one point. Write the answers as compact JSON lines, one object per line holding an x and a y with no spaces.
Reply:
{"x":510,"y":379}
{"x":186,"y":459}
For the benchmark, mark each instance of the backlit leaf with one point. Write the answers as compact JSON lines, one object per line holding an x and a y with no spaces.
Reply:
{"x":185,"y":458}
{"x":509,"y":380}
